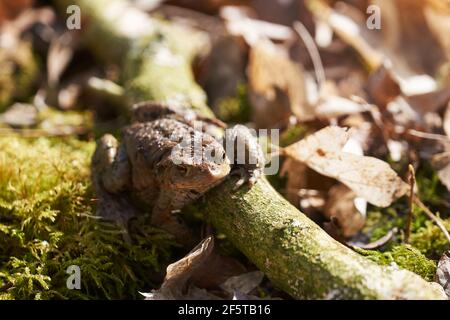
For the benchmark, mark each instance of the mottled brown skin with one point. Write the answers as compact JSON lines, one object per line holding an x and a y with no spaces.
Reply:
{"x":145,"y":166}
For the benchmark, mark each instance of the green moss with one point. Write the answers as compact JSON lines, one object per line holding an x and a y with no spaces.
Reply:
{"x":293,"y":134}
{"x":18,"y":73}
{"x":235,"y":109}
{"x":406,"y":257}
{"x":47,"y":224}
{"x":425,"y":235}
{"x":430,"y":240}
{"x":156,"y":55}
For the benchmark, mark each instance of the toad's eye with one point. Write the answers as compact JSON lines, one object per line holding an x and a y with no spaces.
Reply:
{"x":182,"y":170}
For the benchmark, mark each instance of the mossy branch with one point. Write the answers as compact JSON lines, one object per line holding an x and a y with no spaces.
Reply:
{"x":293,"y":251}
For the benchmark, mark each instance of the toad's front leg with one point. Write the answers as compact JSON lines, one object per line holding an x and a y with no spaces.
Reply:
{"x":245,"y":154}
{"x":111,"y":177}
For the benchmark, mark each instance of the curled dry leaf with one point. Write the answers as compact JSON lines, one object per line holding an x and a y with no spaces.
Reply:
{"x":178,"y":274}
{"x":216,"y":270}
{"x":443,"y":273}
{"x":342,"y":205}
{"x":370,"y":178}
{"x":377,"y":243}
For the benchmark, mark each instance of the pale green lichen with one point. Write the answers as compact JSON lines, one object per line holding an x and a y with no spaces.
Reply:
{"x":156,"y":55}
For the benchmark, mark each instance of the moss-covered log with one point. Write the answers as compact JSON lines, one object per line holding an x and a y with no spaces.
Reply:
{"x":294,"y":252}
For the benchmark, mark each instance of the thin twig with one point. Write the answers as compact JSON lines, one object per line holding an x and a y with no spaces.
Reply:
{"x":426,"y":135}
{"x":412,"y":183}
{"x":313,"y":52}
{"x":433,"y":217}
{"x":378,"y":243}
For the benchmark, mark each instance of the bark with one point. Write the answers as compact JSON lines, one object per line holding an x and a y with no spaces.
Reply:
{"x":296,"y":254}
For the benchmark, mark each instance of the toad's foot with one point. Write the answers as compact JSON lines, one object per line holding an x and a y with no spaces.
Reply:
{"x":245,"y":153}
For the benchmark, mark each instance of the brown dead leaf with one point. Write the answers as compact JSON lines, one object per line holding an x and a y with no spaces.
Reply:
{"x":437,"y":14}
{"x":178,"y":273}
{"x":207,"y":6}
{"x":243,"y":283}
{"x":240,"y":21}
{"x":224,"y":69}
{"x":305,"y":188}
{"x":276,"y":87}
{"x":59,"y":55}
{"x":9,"y":9}
{"x":341,"y":205}
{"x":352,"y":33}
{"x":407,"y":35}
{"x":443,"y":273}
{"x":432,"y":101}
{"x":216,"y":270}
{"x":332,"y":106}
{"x":370,"y":178}
{"x":382,"y":86}
{"x":441,"y":162}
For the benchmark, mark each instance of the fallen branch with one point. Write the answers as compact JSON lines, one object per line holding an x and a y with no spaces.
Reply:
{"x":297,"y":255}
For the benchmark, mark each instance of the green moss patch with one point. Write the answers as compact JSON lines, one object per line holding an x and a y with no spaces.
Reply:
{"x":47,"y":224}
{"x":406,"y":257}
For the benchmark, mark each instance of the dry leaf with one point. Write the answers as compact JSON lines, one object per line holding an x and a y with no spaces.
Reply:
{"x":20,"y":115}
{"x":352,"y":33}
{"x":11,"y":9}
{"x":382,"y":86}
{"x":377,"y":243}
{"x":446,"y":121}
{"x":240,"y":23}
{"x":335,"y":106}
{"x":59,"y":55}
{"x":370,"y":178}
{"x":276,"y":87}
{"x":243,"y":283}
{"x":216,"y":270}
{"x":178,"y":273}
{"x":305,"y":188}
{"x":443,"y":273}
{"x":429,"y":102}
{"x":224,"y":69}
{"x":441,"y":162}
{"x":341,"y":205}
